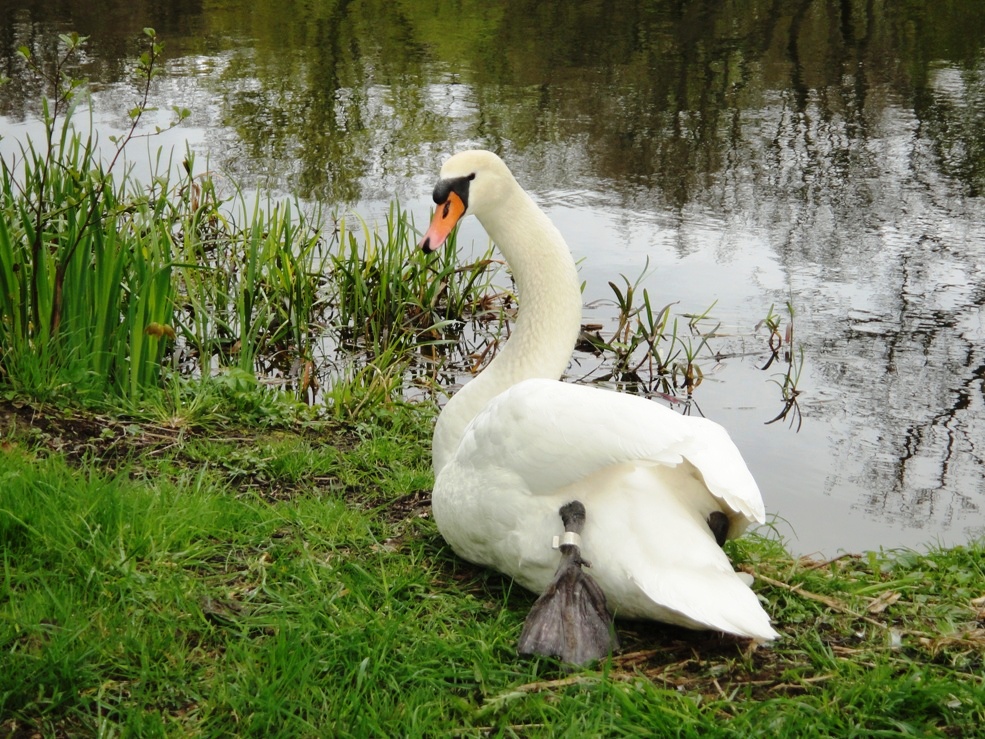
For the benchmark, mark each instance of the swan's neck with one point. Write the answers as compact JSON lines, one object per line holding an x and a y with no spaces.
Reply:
{"x":547,"y":323}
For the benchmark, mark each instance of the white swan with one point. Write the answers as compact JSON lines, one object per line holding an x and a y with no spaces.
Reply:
{"x":515,"y":444}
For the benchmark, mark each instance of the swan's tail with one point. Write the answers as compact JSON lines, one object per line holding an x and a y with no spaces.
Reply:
{"x":723,"y":602}
{"x":665,"y":563}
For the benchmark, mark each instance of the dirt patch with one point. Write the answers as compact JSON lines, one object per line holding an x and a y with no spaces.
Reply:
{"x":413,"y":505}
{"x":112,"y":441}
{"x":117,"y":443}
{"x":76,"y":436}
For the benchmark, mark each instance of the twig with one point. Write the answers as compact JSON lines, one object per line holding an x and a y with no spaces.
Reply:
{"x":827,"y":600}
{"x":563,"y":682}
{"x":831,"y":603}
{"x":718,"y":687}
{"x":817,"y":564}
{"x":634,"y":658}
{"x":543,"y":685}
{"x":803,"y":684}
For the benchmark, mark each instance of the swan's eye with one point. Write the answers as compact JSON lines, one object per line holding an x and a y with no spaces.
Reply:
{"x":457,"y":185}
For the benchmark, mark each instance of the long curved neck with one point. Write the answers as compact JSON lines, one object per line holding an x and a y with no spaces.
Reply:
{"x":547,"y":324}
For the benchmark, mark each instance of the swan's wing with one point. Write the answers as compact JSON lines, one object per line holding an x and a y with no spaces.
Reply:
{"x":552,"y":434}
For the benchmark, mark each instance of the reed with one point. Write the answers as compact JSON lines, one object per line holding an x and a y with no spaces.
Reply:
{"x":394,"y":310}
{"x":250,"y":284}
{"x":85,"y":273}
{"x":388,"y":293}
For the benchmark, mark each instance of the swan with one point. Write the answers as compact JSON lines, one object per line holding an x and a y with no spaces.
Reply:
{"x":536,"y":477}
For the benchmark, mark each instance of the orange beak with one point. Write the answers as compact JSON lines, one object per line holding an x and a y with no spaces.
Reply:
{"x":446,"y":216}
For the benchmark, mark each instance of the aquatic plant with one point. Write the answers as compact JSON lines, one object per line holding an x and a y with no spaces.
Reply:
{"x":793,"y":358}
{"x":648,"y":352}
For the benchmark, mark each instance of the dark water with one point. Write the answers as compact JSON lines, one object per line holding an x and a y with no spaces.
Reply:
{"x":826,"y":154}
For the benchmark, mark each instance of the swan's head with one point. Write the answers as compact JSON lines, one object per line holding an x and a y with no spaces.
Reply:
{"x":472,"y":182}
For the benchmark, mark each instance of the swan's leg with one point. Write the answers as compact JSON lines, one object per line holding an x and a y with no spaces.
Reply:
{"x":718,"y":523}
{"x":570,"y":619}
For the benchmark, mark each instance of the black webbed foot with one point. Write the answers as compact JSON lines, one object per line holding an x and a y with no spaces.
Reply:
{"x":570,"y":619}
{"x":718,"y":523}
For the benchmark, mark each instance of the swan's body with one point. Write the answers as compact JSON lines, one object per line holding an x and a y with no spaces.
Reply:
{"x":516,"y":444}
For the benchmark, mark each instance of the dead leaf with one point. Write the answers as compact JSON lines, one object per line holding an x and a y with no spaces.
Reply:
{"x":884,"y":601}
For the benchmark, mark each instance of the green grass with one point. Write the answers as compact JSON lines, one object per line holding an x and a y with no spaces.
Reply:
{"x":289,"y":582}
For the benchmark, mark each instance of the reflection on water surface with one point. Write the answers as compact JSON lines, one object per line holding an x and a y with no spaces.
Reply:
{"x":827,"y":154}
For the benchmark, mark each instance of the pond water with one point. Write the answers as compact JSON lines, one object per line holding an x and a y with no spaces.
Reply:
{"x":829,"y":155}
